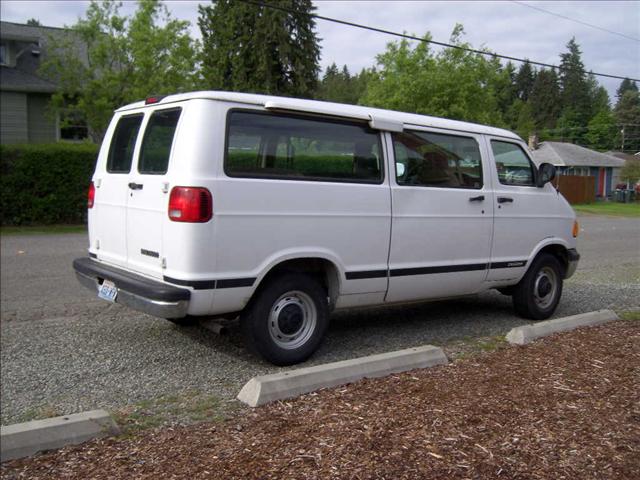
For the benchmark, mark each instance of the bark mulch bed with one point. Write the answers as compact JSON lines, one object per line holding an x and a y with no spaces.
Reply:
{"x":566,"y":407}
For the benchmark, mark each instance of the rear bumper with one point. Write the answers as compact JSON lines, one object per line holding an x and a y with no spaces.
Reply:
{"x":135,"y":291}
{"x":572,"y":262}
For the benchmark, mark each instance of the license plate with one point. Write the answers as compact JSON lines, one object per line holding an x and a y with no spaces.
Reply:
{"x":108,"y":291}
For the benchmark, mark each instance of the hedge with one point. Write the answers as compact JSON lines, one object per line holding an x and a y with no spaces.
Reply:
{"x":45,"y":183}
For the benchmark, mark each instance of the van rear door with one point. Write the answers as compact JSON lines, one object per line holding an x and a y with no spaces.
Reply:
{"x":148,"y":192}
{"x":108,"y":217}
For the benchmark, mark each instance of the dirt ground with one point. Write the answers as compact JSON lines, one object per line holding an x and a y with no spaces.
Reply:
{"x":566,"y":407}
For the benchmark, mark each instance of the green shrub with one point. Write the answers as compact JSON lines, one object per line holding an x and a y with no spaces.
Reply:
{"x":45,"y":183}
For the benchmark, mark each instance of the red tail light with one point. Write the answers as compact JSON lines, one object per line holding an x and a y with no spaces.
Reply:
{"x":190,"y":204}
{"x":91,"y":196}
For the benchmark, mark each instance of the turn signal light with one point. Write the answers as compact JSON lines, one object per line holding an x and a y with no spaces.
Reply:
{"x":190,"y":204}
{"x":576,"y":229}
{"x":91,"y":195}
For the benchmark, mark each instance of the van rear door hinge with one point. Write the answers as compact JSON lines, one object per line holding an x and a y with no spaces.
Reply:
{"x":163,"y":262}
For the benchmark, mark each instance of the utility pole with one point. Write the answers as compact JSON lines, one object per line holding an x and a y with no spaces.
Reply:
{"x":622,"y":132}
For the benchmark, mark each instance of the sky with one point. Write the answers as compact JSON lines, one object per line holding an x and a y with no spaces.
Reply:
{"x":514,"y":28}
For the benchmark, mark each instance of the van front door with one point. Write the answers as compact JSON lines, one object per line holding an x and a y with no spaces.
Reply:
{"x":524,"y":213}
{"x":148,"y":189}
{"x":442,"y":216}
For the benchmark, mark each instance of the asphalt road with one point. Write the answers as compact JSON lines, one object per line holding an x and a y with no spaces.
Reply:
{"x":64,"y":351}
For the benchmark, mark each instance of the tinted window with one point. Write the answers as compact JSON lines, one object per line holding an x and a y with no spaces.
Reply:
{"x":123,"y":143}
{"x":514,"y":167}
{"x":158,"y":138}
{"x":283,"y":146}
{"x":437,"y":160}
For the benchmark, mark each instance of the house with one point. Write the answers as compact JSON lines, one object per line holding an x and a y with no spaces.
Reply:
{"x":24,"y":92}
{"x":571,"y":159}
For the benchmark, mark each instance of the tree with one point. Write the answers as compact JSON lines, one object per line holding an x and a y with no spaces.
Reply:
{"x":631,"y":170}
{"x":339,"y":86}
{"x":575,"y":92}
{"x":34,"y":22}
{"x":252,"y":48}
{"x":625,"y":86}
{"x":452,"y":83}
{"x":545,"y":100}
{"x":601,"y":131}
{"x":627,"y":115}
{"x":126,"y":59}
{"x":505,"y":87}
{"x":524,"y":81}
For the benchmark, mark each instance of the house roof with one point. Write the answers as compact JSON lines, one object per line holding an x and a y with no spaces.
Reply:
{"x":563,"y":154}
{"x":13,"y":80}
{"x":622,"y":155}
{"x":377,"y":118}
{"x":34,"y":44}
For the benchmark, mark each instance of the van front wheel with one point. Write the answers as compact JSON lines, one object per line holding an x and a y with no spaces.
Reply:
{"x":285,"y":323}
{"x":538,"y":293}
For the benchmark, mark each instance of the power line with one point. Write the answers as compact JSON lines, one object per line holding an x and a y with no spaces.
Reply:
{"x":575,"y":20}
{"x":434,"y":42}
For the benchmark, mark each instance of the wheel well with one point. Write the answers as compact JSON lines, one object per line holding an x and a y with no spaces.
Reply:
{"x":560,"y":253}
{"x":321,"y":269}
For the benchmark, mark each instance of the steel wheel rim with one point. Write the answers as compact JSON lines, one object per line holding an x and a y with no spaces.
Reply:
{"x":545,"y":287}
{"x":292,"y":320}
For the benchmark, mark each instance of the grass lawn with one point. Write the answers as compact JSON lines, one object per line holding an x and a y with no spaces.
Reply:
{"x":43,"y":229}
{"x":609,"y":208}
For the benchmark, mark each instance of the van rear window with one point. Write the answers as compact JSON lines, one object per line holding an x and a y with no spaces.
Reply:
{"x":123,"y":142}
{"x":157,"y":142}
{"x":265,"y":145}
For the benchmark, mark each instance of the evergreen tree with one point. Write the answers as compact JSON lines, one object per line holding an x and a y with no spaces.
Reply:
{"x":574,"y":86}
{"x":625,"y":86}
{"x":627,"y":115}
{"x":545,"y":100}
{"x":339,"y":86}
{"x":524,"y":80}
{"x":505,"y":87}
{"x":251,"y":48}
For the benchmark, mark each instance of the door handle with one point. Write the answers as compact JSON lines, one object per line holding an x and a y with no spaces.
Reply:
{"x":505,"y":200}
{"x":135,"y":186}
{"x":479,"y":198}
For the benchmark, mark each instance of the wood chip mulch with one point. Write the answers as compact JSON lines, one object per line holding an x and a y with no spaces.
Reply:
{"x":566,"y":407}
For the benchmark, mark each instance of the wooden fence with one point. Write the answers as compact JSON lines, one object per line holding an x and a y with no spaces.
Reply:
{"x":576,"y":189}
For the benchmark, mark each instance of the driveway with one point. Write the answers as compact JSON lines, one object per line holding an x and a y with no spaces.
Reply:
{"x":64,"y":351}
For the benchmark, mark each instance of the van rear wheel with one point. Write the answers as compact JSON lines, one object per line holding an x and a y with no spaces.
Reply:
{"x":286,"y":321}
{"x":538,"y":293}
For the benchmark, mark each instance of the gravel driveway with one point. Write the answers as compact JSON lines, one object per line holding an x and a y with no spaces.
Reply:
{"x":63,"y":351}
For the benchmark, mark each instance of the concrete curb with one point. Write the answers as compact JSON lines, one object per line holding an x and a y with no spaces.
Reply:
{"x":24,"y":439}
{"x":268,"y":388}
{"x":528,"y":333}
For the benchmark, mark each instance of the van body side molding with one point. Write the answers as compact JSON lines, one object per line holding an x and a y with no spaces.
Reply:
{"x":212,"y":284}
{"x":401,"y":272}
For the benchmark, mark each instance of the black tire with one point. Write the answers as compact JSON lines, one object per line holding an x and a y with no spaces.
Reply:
{"x":538,"y":293}
{"x":187,"y":321}
{"x":286,"y":320}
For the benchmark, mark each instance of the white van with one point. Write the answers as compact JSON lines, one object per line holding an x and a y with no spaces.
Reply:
{"x":282,"y":210}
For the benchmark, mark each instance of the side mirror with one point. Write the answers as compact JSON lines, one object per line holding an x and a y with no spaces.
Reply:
{"x":546,"y":173}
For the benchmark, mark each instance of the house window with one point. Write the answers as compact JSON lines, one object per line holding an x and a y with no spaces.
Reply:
{"x":73,"y":127}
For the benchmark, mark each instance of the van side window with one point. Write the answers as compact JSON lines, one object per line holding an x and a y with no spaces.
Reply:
{"x":514,"y":167}
{"x":294,"y":147}
{"x":436,"y":160}
{"x":157,"y":141}
{"x":123,"y":142}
